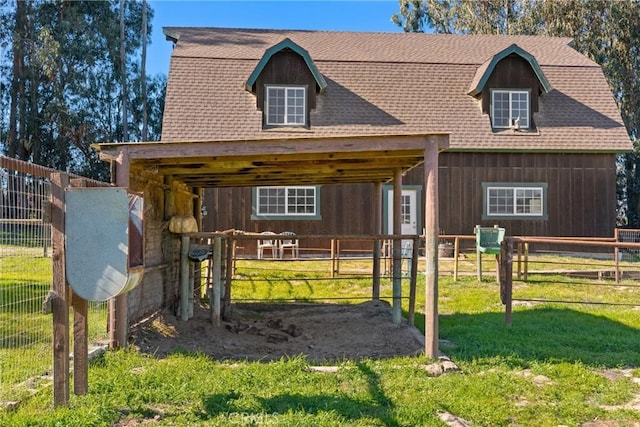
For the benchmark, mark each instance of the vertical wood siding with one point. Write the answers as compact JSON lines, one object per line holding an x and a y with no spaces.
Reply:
{"x":581,"y":198}
{"x":581,"y":194}
{"x":513,"y":72}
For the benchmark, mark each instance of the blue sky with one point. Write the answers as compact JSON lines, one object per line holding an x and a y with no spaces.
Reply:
{"x":363,"y":15}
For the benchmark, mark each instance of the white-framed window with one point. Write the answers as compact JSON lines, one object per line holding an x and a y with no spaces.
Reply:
{"x":286,"y":201}
{"x":285,"y":105}
{"x":515,"y":200}
{"x":510,"y":108}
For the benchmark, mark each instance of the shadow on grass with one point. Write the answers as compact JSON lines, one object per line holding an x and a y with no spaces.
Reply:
{"x":378,"y":406}
{"x":539,"y":334}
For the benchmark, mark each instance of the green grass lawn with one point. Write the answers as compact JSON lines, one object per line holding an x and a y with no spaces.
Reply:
{"x":25,"y":333}
{"x":558,"y":364}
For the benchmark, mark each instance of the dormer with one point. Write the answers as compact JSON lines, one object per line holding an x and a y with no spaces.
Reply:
{"x":285,"y":83}
{"x":509,"y":86}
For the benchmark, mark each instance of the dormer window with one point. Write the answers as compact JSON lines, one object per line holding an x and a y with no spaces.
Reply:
{"x":286,"y":83}
{"x":509,"y":86}
{"x":510,"y":109}
{"x":285,"y":105}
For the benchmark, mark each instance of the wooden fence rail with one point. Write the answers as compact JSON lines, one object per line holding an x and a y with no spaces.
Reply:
{"x":506,"y":261}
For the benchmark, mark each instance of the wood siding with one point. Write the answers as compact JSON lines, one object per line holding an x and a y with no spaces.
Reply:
{"x":344,"y":209}
{"x":581,"y":198}
{"x":286,"y":68}
{"x":581,"y":194}
{"x":513,"y":72}
{"x":159,"y":287}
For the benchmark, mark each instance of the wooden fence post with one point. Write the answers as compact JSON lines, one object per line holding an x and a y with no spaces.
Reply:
{"x":375,"y":293}
{"x":506,"y":277}
{"x":456,"y":253}
{"x":59,"y":303}
{"x":229,"y":271}
{"x":412,"y":280}
{"x":184,"y":277}
{"x":616,"y":256}
{"x":80,"y":345}
{"x":217,"y":279}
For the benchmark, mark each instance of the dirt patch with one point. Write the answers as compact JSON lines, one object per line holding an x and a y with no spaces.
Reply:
{"x":322,"y":332}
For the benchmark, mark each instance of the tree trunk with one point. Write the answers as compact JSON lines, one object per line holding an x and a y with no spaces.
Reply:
{"x":143,"y":71}
{"x":17,"y":82}
{"x":123,"y":75}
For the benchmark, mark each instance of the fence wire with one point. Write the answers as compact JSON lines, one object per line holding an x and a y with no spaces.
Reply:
{"x":26,"y":276}
{"x":25,"y":279}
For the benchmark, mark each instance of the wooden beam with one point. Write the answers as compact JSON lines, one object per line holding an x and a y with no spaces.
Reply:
{"x":431,"y":249}
{"x":275,"y":146}
{"x":281,"y":158}
{"x":59,"y":303}
{"x":264,"y":167}
{"x":397,"y":248}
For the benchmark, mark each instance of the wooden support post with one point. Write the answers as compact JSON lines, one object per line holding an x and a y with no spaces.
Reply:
{"x":431,"y":246}
{"x":234,"y":252}
{"x":526,"y":262}
{"x":80,"y":345}
{"x":396,"y":313}
{"x":59,"y":304}
{"x":506,"y":278}
{"x":226,"y":308}
{"x":119,"y":307}
{"x":192,"y":288}
{"x":519,"y":265}
{"x":616,"y":256}
{"x":456,"y":253}
{"x":333,"y":258}
{"x":412,"y":280}
{"x":184,"y":278}
{"x":377,"y":225}
{"x":217,"y":285}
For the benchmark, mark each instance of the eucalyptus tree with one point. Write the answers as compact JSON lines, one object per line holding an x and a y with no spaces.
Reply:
{"x":607,"y":31}
{"x":67,"y":67}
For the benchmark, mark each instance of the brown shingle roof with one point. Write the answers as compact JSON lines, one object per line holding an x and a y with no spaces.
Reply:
{"x":387,"y":83}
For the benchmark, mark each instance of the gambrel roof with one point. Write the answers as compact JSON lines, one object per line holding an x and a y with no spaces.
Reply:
{"x":388,"y":84}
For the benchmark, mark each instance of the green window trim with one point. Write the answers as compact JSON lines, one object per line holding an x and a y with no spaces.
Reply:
{"x":280,"y":198}
{"x":286,"y":44}
{"x":523,"y":196}
{"x":486,"y":69}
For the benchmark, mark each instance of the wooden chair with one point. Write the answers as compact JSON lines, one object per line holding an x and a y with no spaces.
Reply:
{"x":289,"y":243}
{"x":268,"y":243}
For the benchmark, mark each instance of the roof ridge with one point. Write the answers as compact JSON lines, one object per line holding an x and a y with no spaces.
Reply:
{"x":403,"y":33}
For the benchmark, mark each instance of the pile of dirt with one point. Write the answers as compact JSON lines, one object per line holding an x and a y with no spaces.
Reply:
{"x":322,"y":332}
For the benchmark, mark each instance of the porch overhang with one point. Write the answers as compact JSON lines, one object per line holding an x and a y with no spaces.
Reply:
{"x":303,"y":161}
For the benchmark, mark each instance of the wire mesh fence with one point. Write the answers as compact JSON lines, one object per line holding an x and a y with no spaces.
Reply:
{"x":629,"y":236}
{"x":25,"y":280}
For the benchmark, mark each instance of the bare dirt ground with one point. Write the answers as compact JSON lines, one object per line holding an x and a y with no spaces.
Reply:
{"x":322,"y":332}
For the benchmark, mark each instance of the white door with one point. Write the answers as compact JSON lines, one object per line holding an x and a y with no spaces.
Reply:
{"x":408,"y":211}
